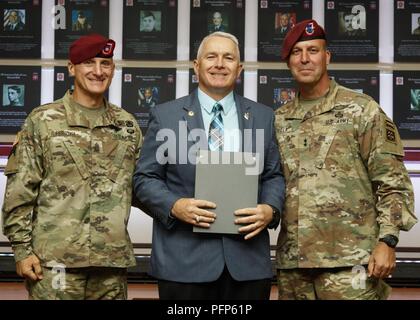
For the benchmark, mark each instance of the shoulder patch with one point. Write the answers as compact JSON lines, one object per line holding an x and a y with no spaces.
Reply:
{"x":13,"y":159}
{"x":14,"y":145}
{"x":390,"y":135}
{"x":390,"y":131}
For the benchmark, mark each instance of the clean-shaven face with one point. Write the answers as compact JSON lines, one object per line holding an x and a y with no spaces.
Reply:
{"x":93,"y":76}
{"x":284,"y":20}
{"x":13,"y":95}
{"x":148,"y":23}
{"x":217,"y":19}
{"x":147,"y":93}
{"x":218,"y":66}
{"x":348,"y":20}
{"x":284,"y":95}
{"x":308,"y":61}
{"x":13,"y":17}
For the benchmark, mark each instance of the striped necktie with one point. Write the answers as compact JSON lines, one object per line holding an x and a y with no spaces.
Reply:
{"x":216,"y":129}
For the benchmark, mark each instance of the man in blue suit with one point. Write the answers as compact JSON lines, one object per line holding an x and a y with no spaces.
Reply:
{"x":192,"y":265}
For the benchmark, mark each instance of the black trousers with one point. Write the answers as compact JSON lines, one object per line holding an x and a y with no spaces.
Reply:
{"x":224,"y":288}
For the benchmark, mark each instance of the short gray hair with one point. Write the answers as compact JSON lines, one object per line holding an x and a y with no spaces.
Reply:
{"x":219,"y":34}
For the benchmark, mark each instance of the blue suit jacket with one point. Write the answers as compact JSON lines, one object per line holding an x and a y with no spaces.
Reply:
{"x":178,"y":254}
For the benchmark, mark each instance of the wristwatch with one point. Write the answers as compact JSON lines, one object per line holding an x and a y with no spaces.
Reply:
{"x":390,"y":240}
{"x":276,"y":218}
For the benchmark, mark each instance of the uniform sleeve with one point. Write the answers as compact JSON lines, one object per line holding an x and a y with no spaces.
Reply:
{"x":382,"y":152}
{"x":134,"y":201}
{"x":272,"y":179}
{"x":24,"y":173}
{"x":140,"y":140}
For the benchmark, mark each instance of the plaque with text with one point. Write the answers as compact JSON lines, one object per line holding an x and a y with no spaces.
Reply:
{"x":406,"y":110}
{"x":363,"y":81}
{"x":20,"y":35}
{"x":62,"y":82}
{"x":275,"y":87}
{"x":80,"y":17}
{"x":352,"y":29}
{"x":144,"y":88}
{"x":208,"y":16}
{"x":407,"y":31}
{"x":275,"y":19}
{"x":150,"y":29}
{"x":20,"y":92}
{"x":239,"y":86}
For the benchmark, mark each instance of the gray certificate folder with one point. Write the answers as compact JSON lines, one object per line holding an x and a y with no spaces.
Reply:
{"x":223,"y":178}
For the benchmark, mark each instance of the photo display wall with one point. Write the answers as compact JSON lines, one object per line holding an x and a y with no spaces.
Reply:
{"x":275,"y":87}
{"x":406,"y":110}
{"x":81,"y":17}
{"x":352,"y":30}
{"x":407,"y":31}
{"x":20,"y":35}
{"x":149,"y":33}
{"x":20,"y":92}
{"x":150,"y":29}
{"x":208,"y":16}
{"x":275,"y":19}
{"x":144,"y":88}
{"x":363,"y":81}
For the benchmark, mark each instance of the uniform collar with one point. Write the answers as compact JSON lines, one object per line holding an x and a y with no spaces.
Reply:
{"x":75,"y":116}
{"x":294,"y":111}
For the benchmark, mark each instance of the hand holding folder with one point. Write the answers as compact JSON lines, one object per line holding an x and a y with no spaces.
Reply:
{"x":223,"y":178}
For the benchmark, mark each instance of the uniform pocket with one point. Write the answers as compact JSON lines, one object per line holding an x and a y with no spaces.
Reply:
{"x":287,"y":154}
{"x":325,"y":147}
{"x":118,"y":162}
{"x":67,"y":162}
{"x":76,"y":155}
{"x":123,"y":163}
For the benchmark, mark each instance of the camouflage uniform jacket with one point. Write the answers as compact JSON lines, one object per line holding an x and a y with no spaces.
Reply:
{"x":68,"y":193}
{"x":346,"y":184}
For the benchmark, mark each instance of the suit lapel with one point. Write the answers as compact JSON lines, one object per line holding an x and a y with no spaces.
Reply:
{"x":245,"y":121}
{"x":192,"y":112}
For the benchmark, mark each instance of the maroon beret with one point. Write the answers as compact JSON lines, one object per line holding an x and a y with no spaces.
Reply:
{"x":90,"y":46}
{"x":302,"y":31}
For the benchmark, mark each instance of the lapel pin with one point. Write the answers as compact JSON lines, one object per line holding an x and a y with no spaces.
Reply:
{"x":246,"y":115}
{"x":191,"y":113}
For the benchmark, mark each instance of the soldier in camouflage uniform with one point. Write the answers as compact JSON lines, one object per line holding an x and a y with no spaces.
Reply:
{"x":348,"y":193}
{"x":69,"y":179}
